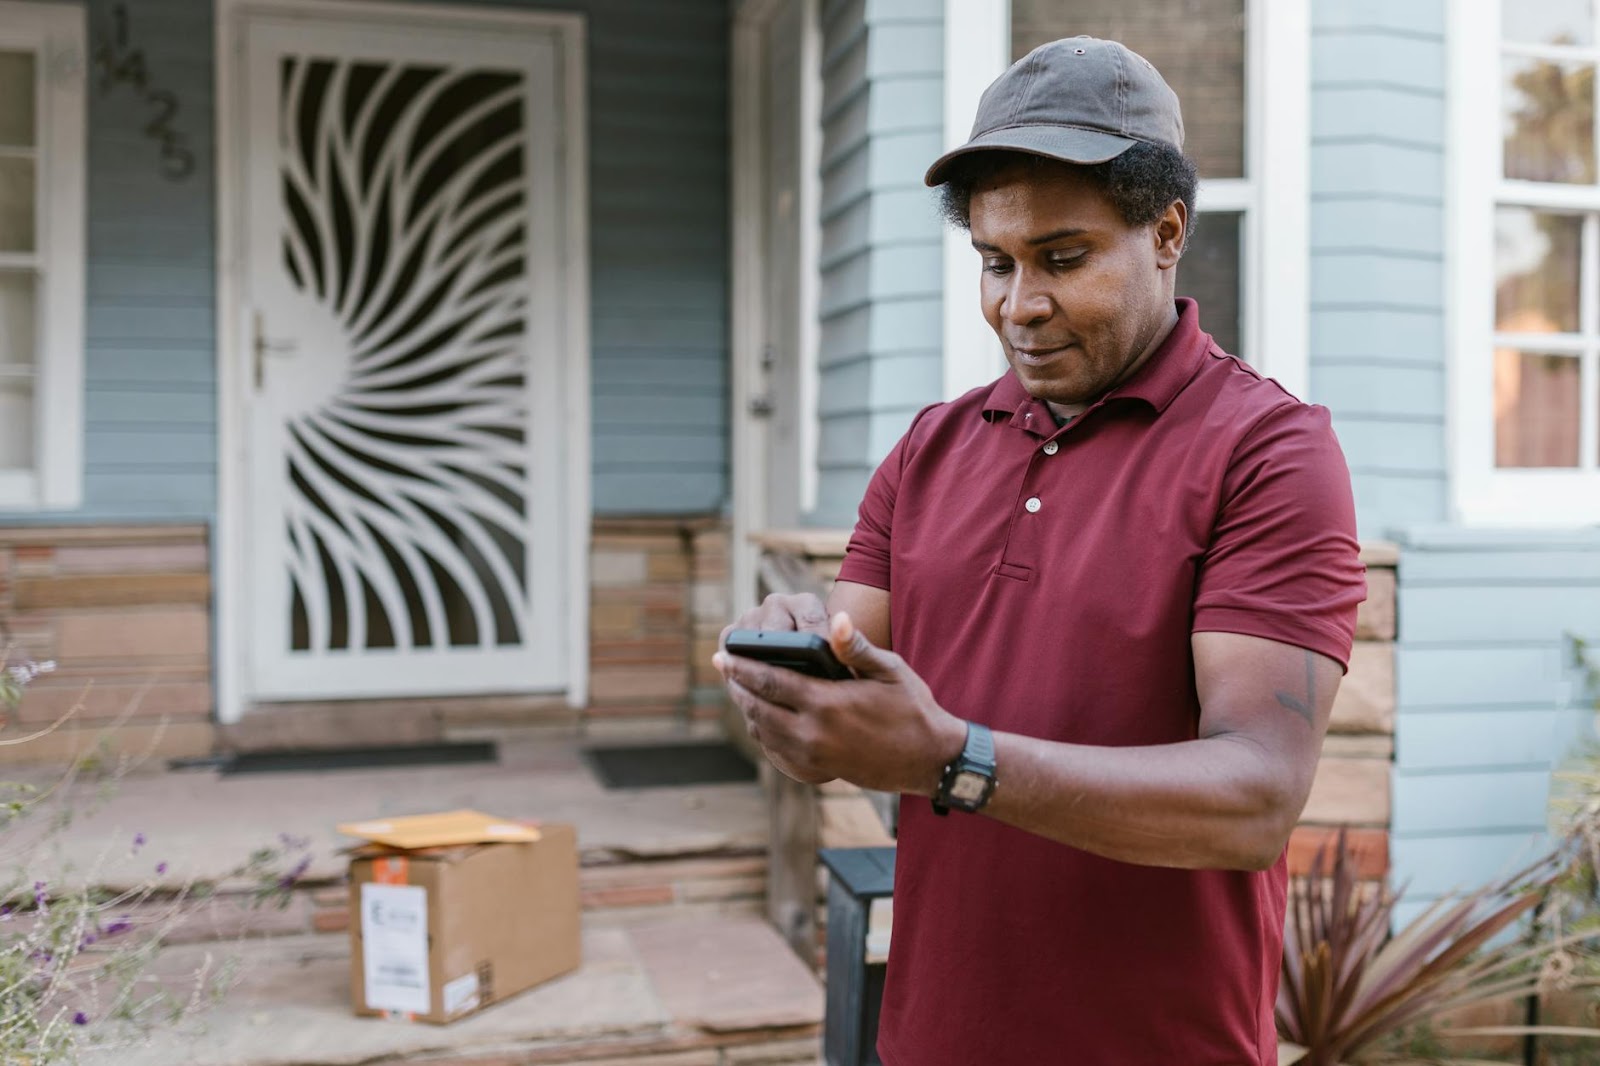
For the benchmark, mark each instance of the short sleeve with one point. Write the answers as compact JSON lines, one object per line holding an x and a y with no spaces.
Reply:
{"x":1284,"y":562}
{"x":866,"y":560}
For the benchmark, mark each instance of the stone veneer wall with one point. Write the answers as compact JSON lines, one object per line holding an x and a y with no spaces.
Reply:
{"x":660,"y":599}
{"x":1354,"y":782}
{"x":125,"y":612}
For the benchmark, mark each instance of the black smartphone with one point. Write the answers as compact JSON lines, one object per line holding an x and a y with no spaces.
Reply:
{"x":806,"y":652}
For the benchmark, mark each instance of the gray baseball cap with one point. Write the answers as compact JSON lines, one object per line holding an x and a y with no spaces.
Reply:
{"x":1079,"y":100}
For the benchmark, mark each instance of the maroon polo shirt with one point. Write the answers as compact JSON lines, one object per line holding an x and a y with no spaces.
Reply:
{"x":1045,"y":582}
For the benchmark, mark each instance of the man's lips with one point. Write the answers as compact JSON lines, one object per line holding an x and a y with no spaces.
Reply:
{"x":1039,"y":353}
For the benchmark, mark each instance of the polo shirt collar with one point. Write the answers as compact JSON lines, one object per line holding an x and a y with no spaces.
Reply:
{"x":1156,"y":383}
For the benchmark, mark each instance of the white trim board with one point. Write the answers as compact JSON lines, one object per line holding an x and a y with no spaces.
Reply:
{"x":750,"y":434}
{"x":977,"y":50}
{"x":233,"y":318}
{"x":1278,"y":280}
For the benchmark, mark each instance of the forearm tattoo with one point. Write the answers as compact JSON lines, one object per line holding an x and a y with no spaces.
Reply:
{"x":1305,"y":708}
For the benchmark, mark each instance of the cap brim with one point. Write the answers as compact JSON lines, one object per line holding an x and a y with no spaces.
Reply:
{"x":1068,"y":144}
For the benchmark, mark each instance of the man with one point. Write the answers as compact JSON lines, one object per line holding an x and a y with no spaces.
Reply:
{"x":1120,"y":587}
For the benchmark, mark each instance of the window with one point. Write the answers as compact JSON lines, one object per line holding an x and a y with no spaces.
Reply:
{"x":1525,"y":367}
{"x":41,"y":255}
{"x":1239,"y":68}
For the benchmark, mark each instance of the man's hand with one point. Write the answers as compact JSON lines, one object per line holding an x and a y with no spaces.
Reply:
{"x":803,"y":613}
{"x":882,"y":731}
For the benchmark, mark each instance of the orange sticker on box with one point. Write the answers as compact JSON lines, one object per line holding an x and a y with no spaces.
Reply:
{"x":391,"y":870}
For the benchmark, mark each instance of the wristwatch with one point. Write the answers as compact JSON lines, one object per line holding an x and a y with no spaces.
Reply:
{"x":970,"y":780}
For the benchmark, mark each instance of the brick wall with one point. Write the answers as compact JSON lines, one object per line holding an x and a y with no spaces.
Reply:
{"x":125,"y":614}
{"x":1353,"y":784}
{"x":125,"y":611}
{"x":660,"y":598}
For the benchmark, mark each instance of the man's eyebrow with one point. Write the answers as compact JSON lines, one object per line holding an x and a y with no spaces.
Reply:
{"x":1043,"y":238}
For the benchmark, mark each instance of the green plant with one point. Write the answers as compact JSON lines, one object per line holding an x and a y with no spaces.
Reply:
{"x":1350,"y":993}
{"x":77,"y":962}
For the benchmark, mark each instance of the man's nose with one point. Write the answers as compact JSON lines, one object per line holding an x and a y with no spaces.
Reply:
{"x":1026,"y":301}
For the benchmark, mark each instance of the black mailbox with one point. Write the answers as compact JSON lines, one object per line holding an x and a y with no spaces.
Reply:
{"x":857,"y":876}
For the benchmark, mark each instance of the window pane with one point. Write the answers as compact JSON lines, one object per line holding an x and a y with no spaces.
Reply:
{"x":16,"y":98}
{"x":1209,"y":272}
{"x":1200,"y":52}
{"x":16,"y":318}
{"x":1536,"y":271}
{"x":16,"y":424}
{"x":16,"y":205}
{"x":1547,"y":21}
{"x":1536,"y":409}
{"x":1549,"y":120}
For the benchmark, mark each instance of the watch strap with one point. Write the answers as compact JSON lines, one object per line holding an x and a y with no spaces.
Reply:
{"x":980,"y":748}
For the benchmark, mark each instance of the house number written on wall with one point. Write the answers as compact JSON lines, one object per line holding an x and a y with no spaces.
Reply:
{"x":118,"y":64}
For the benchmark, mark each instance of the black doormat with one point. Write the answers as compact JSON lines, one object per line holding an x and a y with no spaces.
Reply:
{"x":669,"y":765}
{"x":384,"y":757}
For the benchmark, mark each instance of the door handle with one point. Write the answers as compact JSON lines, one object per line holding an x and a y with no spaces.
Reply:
{"x":263,"y":347}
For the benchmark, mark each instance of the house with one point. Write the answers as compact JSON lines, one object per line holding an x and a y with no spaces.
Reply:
{"x":370,"y":368}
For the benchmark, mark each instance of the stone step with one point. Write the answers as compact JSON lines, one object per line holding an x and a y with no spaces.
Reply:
{"x":722,"y":991}
{"x":690,"y":885}
{"x":703,"y":886}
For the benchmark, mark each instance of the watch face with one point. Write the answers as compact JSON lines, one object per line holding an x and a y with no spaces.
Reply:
{"x":968,"y":787}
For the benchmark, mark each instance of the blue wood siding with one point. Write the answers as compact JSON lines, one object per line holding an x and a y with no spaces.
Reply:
{"x":1377,"y":250}
{"x":881,"y":288}
{"x":658,"y":142}
{"x":1487,"y":700}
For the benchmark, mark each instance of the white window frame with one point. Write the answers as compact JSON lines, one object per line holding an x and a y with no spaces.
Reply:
{"x":1483,"y":494}
{"x":1274,"y":197}
{"x":55,"y":33}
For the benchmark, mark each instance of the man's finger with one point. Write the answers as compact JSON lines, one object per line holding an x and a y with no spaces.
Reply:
{"x":777,"y":727}
{"x":811,"y":614}
{"x":852,"y":648}
{"x":774,"y":684}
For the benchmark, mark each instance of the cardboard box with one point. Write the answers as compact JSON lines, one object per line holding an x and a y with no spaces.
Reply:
{"x":452,"y":912}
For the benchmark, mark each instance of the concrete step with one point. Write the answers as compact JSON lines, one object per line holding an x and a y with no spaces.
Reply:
{"x":694,"y":991}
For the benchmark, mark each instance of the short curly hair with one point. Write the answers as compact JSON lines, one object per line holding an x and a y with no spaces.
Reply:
{"x":1143,"y":181}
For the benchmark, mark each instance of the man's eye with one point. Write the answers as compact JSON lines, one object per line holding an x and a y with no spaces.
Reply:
{"x":996,"y":266}
{"x":1066,"y":260}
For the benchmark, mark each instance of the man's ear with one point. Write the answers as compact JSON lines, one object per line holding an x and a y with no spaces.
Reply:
{"x":1170,"y":230}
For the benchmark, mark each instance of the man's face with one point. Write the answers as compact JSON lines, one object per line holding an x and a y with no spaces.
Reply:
{"x":1075,"y":294}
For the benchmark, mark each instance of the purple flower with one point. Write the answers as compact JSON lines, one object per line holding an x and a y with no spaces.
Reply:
{"x":121,"y":925}
{"x":289,"y":879}
{"x":86,"y":941}
{"x":39,"y":896}
{"x":80,"y":1018}
{"x":161,"y":868}
{"x":21,"y":675}
{"x":138,"y":841}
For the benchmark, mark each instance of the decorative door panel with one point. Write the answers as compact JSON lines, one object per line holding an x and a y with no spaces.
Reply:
{"x":403,"y":200}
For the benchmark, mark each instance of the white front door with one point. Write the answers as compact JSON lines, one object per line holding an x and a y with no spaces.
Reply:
{"x":403,"y":226}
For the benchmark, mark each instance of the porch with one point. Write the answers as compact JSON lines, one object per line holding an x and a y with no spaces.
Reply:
{"x":680,"y":966}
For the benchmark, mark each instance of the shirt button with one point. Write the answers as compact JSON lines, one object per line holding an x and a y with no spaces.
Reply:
{"x":1051,"y":447}
{"x":1033,"y":505}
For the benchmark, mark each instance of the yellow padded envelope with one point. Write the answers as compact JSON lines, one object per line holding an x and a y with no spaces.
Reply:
{"x":444,"y":830}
